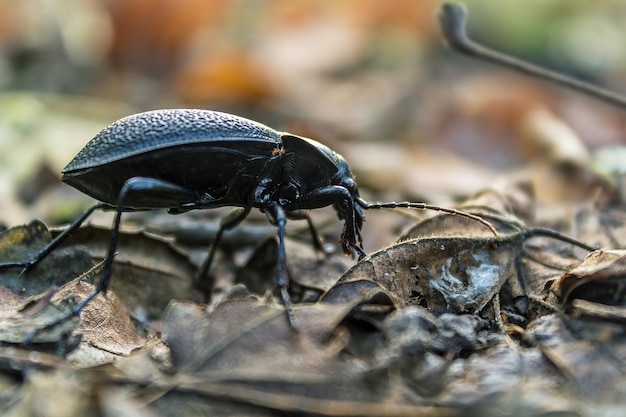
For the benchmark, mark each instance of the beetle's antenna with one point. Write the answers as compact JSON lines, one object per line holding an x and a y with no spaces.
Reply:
{"x":423,"y":206}
{"x":452,"y":18}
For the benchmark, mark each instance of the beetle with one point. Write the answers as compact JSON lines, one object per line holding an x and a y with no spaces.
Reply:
{"x":188,"y":159}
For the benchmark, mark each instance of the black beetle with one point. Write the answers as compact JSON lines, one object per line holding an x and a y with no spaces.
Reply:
{"x":185,"y":159}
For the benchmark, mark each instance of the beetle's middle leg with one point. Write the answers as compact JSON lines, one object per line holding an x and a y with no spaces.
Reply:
{"x":231,"y":220}
{"x":279,"y":216}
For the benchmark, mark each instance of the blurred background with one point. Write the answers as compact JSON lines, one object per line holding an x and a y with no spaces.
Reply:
{"x":371,"y":79}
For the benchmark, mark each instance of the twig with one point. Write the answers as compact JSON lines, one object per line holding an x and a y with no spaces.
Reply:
{"x":452,"y":18}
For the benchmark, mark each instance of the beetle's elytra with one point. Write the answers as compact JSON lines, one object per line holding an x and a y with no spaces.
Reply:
{"x":185,"y":159}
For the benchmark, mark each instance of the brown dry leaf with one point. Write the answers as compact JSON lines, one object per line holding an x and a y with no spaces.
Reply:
{"x":26,"y":304}
{"x":26,"y":323}
{"x":247,"y":330}
{"x":105,"y":323}
{"x":588,"y":353}
{"x":503,"y":121}
{"x":600,"y":277}
{"x":68,"y":392}
{"x":119,"y":402}
{"x":481,"y":116}
{"x":22,"y":243}
{"x":599,"y":311}
{"x":415,"y":328}
{"x":508,"y":203}
{"x":506,"y":380}
{"x":553,"y":139}
{"x":20,"y":360}
{"x":560,"y":167}
{"x":246,"y":352}
{"x":452,"y":263}
{"x":239,"y":399}
{"x":447,"y":225}
{"x":442,"y":273}
{"x":602,"y":227}
{"x":419,"y":171}
{"x":151,"y":362}
{"x":498,"y":101}
{"x":447,"y":263}
{"x":540,"y":267}
{"x":148,"y":270}
{"x":258,"y":274}
{"x":61,"y":392}
{"x":358,"y":291}
{"x":314,"y":270}
{"x":8,"y":298}
{"x":510,"y":207}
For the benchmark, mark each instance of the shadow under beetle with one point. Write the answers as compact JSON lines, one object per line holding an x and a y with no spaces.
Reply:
{"x":184,"y":159}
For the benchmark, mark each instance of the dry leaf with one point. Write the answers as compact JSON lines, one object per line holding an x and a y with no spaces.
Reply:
{"x":602,"y":272}
{"x":148,"y":270}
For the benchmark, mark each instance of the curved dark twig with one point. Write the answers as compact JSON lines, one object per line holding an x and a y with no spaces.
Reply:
{"x":452,"y":18}
{"x":540,"y":231}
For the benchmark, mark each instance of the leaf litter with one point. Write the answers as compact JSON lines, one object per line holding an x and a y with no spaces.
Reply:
{"x":439,"y":323}
{"x":446,"y":320}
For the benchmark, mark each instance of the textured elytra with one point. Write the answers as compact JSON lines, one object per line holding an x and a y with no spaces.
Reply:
{"x":159,"y":129}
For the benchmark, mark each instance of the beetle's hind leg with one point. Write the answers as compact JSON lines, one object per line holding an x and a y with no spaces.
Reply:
{"x":29,"y":264}
{"x":133,"y":186}
{"x":204,"y":281}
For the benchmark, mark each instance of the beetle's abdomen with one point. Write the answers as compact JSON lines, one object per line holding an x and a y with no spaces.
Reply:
{"x":150,"y":131}
{"x":205,"y":152}
{"x":225,"y":171}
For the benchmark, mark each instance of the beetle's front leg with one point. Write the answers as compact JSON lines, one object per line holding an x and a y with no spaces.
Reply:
{"x":342,"y":200}
{"x":132,"y":187}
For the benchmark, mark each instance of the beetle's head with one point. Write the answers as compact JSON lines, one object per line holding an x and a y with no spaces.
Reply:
{"x":351,"y":239}
{"x":312,"y":172}
{"x":345,"y":179}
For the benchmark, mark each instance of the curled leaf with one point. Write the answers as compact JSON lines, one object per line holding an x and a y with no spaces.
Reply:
{"x":602,"y":273}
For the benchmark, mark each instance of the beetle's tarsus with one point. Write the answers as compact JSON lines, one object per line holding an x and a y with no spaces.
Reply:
{"x":26,"y":268}
{"x":360,"y":251}
{"x":291,"y":314}
{"x":73,"y":312}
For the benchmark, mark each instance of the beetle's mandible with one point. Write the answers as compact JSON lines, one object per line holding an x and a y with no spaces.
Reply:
{"x":186,"y":159}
